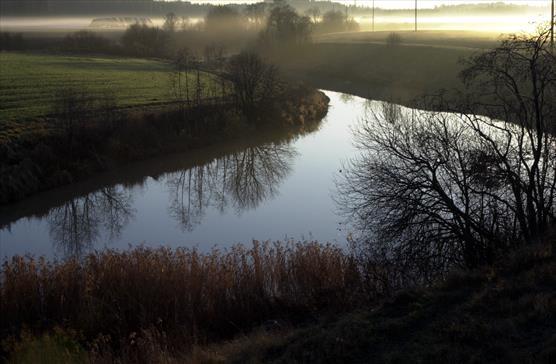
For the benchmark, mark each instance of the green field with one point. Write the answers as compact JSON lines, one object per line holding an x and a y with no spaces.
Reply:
{"x":28,"y":82}
{"x":398,"y":74}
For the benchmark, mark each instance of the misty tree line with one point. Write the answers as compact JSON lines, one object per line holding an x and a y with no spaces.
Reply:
{"x":434,"y":190}
{"x":271,"y":23}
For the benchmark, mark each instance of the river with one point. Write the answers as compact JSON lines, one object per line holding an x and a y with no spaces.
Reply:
{"x":271,"y":190}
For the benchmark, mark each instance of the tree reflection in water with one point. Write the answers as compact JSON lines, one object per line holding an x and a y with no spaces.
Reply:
{"x":240,"y":180}
{"x":76,"y":225}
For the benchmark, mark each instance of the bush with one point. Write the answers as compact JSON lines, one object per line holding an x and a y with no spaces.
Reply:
{"x":144,"y":41}
{"x":55,"y":347}
{"x":394,"y":39}
{"x":11,"y":41}
{"x":86,"y":42}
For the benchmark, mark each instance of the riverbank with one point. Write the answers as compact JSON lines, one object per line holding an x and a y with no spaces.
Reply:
{"x":272,"y":303}
{"x":136,"y":173}
{"x":500,"y":314}
{"x":45,"y":158}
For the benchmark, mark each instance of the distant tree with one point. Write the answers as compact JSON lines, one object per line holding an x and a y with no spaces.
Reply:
{"x":145,"y":41}
{"x":221,"y":19}
{"x":256,"y":13}
{"x":337,"y":21}
{"x":87,"y":42}
{"x":185,"y":23}
{"x":170,"y":22}
{"x":334,"y":19}
{"x":314,"y":14}
{"x":286,"y":26}
{"x":11,"y":41}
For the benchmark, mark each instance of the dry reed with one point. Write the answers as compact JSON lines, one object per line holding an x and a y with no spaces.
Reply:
{"x":188,"y":296}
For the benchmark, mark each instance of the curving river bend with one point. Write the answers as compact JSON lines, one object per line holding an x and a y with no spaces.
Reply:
{"x":268,"y":189}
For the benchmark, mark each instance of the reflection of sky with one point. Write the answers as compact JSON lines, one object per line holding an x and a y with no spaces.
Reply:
{"x":302,"y":207}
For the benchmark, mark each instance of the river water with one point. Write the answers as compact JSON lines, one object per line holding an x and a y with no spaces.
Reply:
{"x":263,"y":190}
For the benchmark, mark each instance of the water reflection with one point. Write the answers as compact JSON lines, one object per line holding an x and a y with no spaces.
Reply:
{"x":240,"y":180}
{"x":75,"y":226}
{"x":274,"y":185}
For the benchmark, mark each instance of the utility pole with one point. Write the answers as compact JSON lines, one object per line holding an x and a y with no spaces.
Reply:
{"x":415,"y":15}
{"x":373,"y":15}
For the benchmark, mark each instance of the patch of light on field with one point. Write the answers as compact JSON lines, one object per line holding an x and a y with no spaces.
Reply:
{"x":502,"y":24}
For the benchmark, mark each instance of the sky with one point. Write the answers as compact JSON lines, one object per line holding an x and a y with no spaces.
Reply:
{"x":401,"y":4}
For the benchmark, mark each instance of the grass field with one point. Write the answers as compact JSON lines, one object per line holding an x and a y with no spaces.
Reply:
{"x":28,"y":82}
{"x":441,"y":39}
{"x":399,"y":74}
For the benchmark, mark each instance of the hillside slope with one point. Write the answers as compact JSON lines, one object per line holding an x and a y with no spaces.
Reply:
{"x":499,"y":315}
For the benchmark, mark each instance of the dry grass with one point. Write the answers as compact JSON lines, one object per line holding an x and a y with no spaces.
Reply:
{"x":179,"y":297}
{"x":246,"y":305}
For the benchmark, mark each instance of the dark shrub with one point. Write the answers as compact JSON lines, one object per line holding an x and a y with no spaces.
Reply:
{"x":87,"y":42}
{"x":145,"y":41}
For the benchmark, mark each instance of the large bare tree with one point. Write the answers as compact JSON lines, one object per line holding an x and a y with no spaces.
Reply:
{"x":433,"y":190}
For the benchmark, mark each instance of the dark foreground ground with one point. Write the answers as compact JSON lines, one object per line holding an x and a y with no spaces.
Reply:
{"x":505,"y":314}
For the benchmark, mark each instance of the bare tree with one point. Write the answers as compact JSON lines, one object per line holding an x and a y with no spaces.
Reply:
{"x":71,"y":108}
{"x":179,"y":79}
{"x":253,"y":81}
{"x":437,"y":190}
{"x":285,"y":26}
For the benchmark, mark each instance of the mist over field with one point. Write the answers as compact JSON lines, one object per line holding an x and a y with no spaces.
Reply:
{"x":389,"y":15}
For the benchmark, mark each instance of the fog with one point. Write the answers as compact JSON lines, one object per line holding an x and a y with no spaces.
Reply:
{"x":478,"y":15}
{"x":498,"y":24}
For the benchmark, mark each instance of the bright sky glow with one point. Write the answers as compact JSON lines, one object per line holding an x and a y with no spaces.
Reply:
{"x":400,"y":4}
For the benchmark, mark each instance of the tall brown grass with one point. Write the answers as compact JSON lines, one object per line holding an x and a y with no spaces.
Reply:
{"x":182,"y":296}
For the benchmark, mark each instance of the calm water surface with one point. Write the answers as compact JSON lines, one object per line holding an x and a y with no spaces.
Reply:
{"x":267,"y":190}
